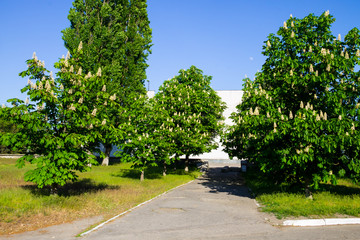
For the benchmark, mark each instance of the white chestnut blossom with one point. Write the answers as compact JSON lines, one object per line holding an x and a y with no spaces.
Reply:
{"x":301,"y":104}
{"x":67,"y":55}
{"x":98,"y":72}
{"x":328,"y":68}
{"x":268,"y":44}
{"x":72,"y":107}
{"x":291,"y":115}
{"x":80,"y":46}
{"x":113,"y":97}
{"x":323,"y":51}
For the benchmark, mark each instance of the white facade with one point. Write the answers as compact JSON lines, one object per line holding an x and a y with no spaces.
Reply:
{"x":232,"y":98}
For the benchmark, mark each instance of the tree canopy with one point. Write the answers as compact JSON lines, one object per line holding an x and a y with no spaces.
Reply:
{"x":59,"y":122}
{"x":115,"y":37}
{"x":194,"y":110}
{"x":299,"y":117}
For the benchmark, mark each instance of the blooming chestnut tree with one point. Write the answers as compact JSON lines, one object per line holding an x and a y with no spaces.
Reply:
{"x":299,"y":118}
{"x":193,"y":110}
{"x":59,"y":121}
{"x":148,"y":141}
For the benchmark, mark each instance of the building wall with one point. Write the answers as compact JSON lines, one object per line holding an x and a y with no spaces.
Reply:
{"x":232,"y":98}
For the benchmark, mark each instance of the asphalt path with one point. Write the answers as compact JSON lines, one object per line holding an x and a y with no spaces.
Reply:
{"x":215,"y":206}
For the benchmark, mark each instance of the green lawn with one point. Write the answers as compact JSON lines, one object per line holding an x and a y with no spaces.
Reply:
{"x":284,"y":201}
{"x":103,"y":191}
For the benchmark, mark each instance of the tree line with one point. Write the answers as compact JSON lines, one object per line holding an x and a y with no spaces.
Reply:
{"x":98,"y":96}
{"x":297,"y":122}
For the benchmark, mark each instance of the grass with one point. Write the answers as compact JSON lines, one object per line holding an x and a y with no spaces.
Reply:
{"x":284,"y":201}
{"x":104,"y":191}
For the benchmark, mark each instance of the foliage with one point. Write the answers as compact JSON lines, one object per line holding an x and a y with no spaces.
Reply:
{"x":6,"y":127}
{"x":149,"y":139}
{"x":192,"y":110}
{"x":116,"y":37}
{"x":58,"y":124}
{"x":299,"y":118}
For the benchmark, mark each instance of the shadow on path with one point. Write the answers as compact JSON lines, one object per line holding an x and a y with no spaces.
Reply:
{"x":225,"y":180}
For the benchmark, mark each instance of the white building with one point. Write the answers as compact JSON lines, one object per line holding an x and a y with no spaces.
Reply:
{"x":232,"y":98}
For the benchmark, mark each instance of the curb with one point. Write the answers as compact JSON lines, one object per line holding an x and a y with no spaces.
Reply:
{"x":131,"y":209}
{"x":321,"y":222}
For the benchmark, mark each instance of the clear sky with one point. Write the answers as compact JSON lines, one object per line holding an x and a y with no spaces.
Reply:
{"x":223,"y":38}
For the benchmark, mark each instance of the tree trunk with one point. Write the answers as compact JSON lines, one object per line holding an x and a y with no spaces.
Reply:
{"x":164,"y":170}
{"x":142,"y":176}
{"x":187,"y":163}
{"x":90,"y":153}
{"x":176,"y":160}
{"x":107,"y":152}
{"x":308,"y":193}
{"x":54,"y":189}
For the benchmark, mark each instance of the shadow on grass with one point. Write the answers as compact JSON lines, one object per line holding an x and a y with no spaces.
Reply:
{"x":135,"y":174}
{"x":80,"y":187}
{"x":156,"y":172}
{"x":339,"y":189}
{"x":261,"y":184}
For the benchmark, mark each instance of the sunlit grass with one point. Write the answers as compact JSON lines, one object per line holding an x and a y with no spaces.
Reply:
{"x":105,"y":190}
{"x":284,"y":201}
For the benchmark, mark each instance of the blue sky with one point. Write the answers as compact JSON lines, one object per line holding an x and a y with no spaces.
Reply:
{"x":223,"y":38}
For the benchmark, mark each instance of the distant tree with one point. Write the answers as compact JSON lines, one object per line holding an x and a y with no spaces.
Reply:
{"x":194,"y":110}
{"x":298,"y":119}
{"x":6,"y":128}
{"x":148,"y":142}
{"x":116,"y":37}
{"x":59,"y":121}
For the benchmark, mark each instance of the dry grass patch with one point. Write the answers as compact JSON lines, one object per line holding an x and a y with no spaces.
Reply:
{"x":104,"y":191}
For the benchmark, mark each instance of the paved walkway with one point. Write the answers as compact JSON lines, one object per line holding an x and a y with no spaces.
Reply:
{"x":216,"y":206}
